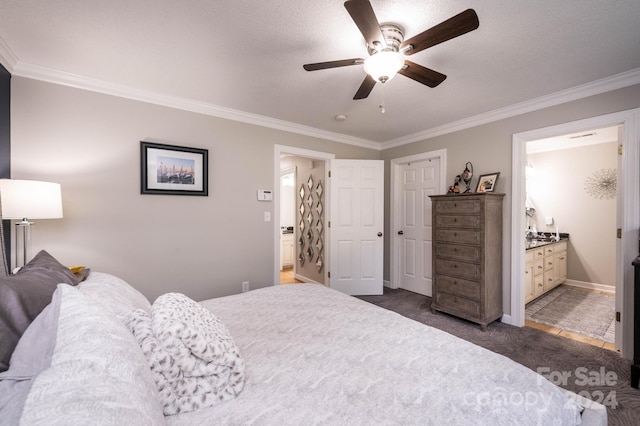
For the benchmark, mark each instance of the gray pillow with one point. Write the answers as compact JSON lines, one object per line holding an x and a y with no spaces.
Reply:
{"x":32,"y":355}
{"x":24,"y":295}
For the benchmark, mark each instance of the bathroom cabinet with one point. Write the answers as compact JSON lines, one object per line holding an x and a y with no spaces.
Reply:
{"x":467,"y":256}
{"x":287,"y":252}
{"x":545,"y":268}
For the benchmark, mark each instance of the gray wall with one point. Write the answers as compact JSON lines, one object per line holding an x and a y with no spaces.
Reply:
{"x":489,"y":148}
{"x":206,"y":246}
{"x":201,"y":246}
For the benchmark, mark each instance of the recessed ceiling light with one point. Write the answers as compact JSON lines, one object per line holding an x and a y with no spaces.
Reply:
{"x":340,"y":117}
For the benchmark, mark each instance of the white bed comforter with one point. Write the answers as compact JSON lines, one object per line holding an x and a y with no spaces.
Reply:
{"x":316,"y":356}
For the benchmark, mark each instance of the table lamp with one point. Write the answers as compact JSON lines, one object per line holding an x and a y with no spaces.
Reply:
{"x":29,"y":199}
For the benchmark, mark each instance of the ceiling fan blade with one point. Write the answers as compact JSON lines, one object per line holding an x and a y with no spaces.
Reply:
{"x":453,"y":27}
{"x":365,"y":88}
{"x":333,"y":64}
{"x":422,"y":74}
{"x":365,"y":18}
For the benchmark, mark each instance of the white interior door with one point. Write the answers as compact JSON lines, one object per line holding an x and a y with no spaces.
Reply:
{"x":356,"y":225}
{"x":418,"y":180}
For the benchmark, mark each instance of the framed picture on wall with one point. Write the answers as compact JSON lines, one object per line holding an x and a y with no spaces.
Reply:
{"x":487,"y":183}
{"x":173,"y":170}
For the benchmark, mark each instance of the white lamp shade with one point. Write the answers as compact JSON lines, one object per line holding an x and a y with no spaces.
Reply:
{"x":30,"y":199}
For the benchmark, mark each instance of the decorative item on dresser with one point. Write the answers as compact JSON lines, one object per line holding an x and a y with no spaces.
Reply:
{"x":467,"y":256}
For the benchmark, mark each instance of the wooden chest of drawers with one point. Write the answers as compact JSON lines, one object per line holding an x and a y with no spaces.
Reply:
{"x":467,"y":256}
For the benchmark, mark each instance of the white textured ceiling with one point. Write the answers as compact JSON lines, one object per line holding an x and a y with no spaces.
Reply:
{"x":245,"y":56}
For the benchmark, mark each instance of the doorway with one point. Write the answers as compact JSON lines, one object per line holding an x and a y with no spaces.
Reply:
{"x":413,"y":179}
{"x":308,"y":225}
{"x":572,"y":283}
{"x":628,"y":220}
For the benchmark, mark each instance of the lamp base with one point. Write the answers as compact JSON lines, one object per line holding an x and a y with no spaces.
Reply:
{"x":25,"y":226}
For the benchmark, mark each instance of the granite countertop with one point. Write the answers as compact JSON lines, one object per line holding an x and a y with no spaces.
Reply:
{"x":530,"y":244}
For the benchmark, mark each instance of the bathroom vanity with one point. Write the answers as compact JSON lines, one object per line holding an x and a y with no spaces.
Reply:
{"x":545,"y":267}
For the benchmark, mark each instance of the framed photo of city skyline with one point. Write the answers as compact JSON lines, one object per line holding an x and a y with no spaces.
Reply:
{"x":173,"y":170}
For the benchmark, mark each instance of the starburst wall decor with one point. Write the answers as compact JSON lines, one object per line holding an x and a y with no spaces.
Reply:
{"x":602,"y":184}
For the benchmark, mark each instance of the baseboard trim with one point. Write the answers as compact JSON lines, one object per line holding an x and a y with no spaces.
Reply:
{"x":307,"y":280}
{"x":590,"y":286}
{"x":507,"y":319}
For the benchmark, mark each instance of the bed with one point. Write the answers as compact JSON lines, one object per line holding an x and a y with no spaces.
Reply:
{"x":311,"y":355}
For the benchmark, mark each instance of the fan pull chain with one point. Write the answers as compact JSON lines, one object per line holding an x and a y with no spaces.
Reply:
{"x":381,"y":106}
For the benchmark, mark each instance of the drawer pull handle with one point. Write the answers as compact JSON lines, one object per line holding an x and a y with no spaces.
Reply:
{"x":539,"y":284}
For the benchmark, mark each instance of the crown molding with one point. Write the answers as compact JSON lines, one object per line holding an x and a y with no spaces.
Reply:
{"x":81,"y":82}
{"x":15,"y":67}
{"x":8,"y":59}
{"x":607,"y":84}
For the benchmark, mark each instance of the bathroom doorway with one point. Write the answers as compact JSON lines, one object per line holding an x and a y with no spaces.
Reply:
{"x":572,"y":283}
{"x":628,"y":222}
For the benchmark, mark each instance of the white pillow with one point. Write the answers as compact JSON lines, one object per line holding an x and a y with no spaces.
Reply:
{"x":115,"y":294}
{"x":97,"y":372}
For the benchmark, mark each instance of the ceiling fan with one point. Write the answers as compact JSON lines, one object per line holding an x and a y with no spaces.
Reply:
{"x":387,"y":47}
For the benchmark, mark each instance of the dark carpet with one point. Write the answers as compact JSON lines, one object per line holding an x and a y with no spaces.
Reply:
{"x":599,"y":374}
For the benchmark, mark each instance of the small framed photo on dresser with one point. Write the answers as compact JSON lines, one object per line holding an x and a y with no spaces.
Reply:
{"x":487,"y":183}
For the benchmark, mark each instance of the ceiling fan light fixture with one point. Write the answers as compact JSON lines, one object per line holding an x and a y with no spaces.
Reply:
{"x":383,"y":66}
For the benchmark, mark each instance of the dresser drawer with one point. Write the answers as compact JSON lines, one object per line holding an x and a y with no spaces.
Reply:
{"x":458,"y":252}
{"x":457,"y":305}
{"x":458,"y":236}
{"x":458,"y":286}
{"x":458,"y":206}
{"x":451,"y":221}
{"x":463,"y":269}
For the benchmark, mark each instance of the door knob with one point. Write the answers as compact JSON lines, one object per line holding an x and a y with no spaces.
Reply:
{"x":400,"y":232}
{"x":379,"y":234}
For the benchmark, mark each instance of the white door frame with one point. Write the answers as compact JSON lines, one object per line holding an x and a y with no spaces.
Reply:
{"x":279,"y":150}
{"x":394,"y":213}
{"x":628,"y":213}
